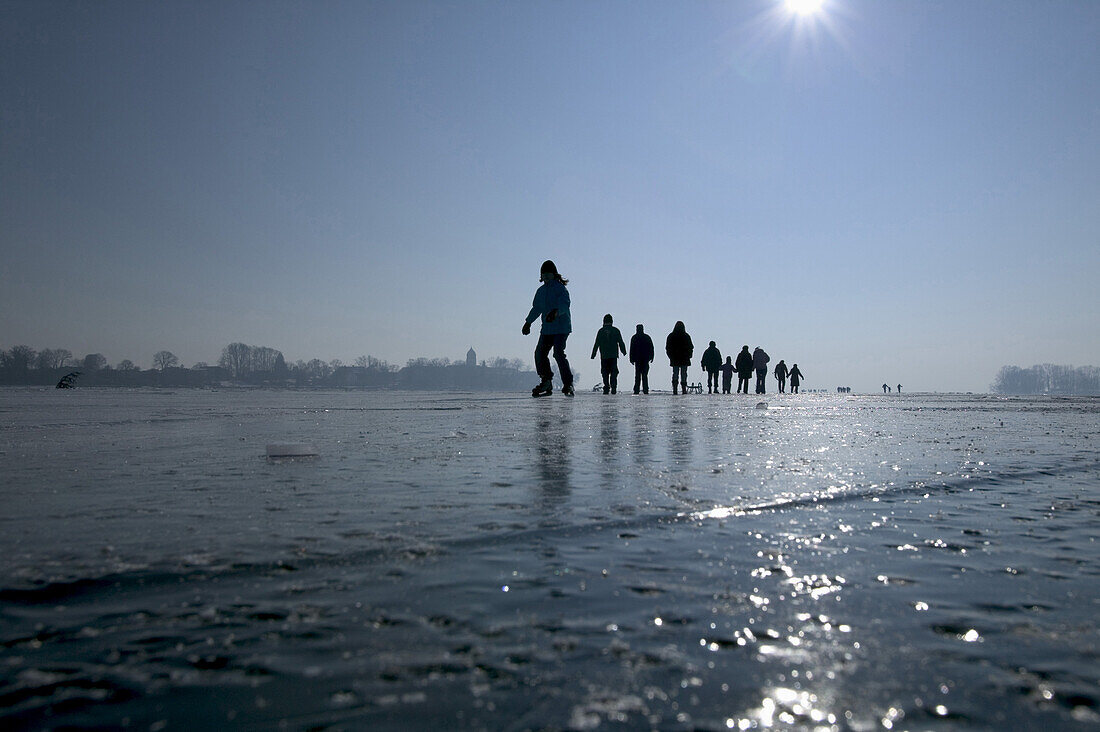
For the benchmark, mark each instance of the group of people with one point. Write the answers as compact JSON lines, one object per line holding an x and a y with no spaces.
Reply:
{"x":551,"y":303}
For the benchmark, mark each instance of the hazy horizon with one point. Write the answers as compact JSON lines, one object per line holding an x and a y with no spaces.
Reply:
{"x":878,"y":191}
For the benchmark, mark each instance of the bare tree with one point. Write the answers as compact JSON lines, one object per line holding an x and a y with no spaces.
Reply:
{"x":126,"y":365}
{"x":164,"y":359}
{"x":17,"y":358}
{"x":53,"y":358}
{"x":94,"y":361}
{"x":335,"y":363}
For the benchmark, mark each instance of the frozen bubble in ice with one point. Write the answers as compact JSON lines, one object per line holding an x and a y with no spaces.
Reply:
{"x":290,"y":449}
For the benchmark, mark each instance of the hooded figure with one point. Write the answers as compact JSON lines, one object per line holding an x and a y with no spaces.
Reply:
{"x":641,"y":353}
{"x":711,"y":362}
{"x":679,"y":348}
{"x":609,"y":341}
{"x":760,"y":360}
{"x":552,"y":304}
{"x":796,"y":377}
{"x":744,"y":370}
{"x":781,"y":374}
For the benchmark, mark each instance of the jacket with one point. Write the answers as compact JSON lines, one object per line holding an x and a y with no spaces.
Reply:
{"x":781,"y":370}
{"x":744,"y":364}
{"x":760,"y":359}
{"x":678,"y":347}
{"x":609,"y":341}
{"x":551,"y":296}
{"x":712,"y":359}
{"x":641,"y":348}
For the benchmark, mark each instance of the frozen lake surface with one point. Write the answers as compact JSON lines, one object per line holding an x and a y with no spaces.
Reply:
{"x":494,"y":561}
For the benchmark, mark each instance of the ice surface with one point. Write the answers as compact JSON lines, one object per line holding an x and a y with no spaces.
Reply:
{"x":496,"y":561}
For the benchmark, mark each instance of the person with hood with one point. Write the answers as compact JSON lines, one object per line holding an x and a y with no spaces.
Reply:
{"x":609,"y":341}
{"x":552,"y":304}
{"x":796,"y":378}
{"x":679,"y":348}
{"x":760,"y":360}
{"x":744,"y":370}
{"x":781,"y":375}
{"x":727,"y":375}
{"x":641,"y":353}
{"x":711,"y":362}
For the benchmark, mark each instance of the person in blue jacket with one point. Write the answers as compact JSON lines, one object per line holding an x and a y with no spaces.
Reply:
{"x":552,"y":304}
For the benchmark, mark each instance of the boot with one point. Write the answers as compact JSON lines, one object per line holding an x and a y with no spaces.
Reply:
{"x":674,"y":388}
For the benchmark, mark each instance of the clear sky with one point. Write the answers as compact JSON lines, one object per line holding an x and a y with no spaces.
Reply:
{"x":903,"y":191}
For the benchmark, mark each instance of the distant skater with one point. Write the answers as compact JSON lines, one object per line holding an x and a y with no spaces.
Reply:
{"x":744,"y":370}
{"x":760,"y":360}
{"x":609,"y":341}
{"x":711,"y":363}
{"x":796,"y":378}
{"x":679,"y":348}
{"x":885,"y":388}
{"x":781,"y":374}
{"x":727,"y":375}
{"x":552,"y":304}
{"x":641,"y":353}
{"x":899,"y":388}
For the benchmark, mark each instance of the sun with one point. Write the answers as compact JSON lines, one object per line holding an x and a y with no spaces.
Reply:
{"x":804,"y":7}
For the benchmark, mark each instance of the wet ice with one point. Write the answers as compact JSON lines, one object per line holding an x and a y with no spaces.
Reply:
{"x":486,"y":560}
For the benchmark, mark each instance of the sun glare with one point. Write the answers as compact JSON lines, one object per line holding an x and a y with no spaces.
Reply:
{"x":804,"y":7}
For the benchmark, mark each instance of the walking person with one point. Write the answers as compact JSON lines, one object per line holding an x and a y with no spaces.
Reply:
{"x":727,"y":375}
{"x":796,"y":378}
{"x":760,"y":360}
{"x":679,"y":349}
{"x":609,"y":341}
{"x":551,"y":303}
{"x":781,"y":375}
{"x":744,"y":370}
{"x":711,"y":363}
{"x":641,"y":354}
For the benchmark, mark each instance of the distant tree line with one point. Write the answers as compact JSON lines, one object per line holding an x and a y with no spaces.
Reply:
{"x":245,"y":365}
{"x":1047,"y":379}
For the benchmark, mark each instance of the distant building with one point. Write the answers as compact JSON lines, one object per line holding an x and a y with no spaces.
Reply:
{"x":471,"y":358}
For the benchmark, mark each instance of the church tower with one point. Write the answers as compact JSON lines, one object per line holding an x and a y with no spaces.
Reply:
{"x":471,"y":358}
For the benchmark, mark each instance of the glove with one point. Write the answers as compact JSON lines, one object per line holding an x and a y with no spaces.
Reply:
{"x":526,"y":328}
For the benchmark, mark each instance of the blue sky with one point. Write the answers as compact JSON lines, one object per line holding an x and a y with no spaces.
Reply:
{"x":885,"y":191}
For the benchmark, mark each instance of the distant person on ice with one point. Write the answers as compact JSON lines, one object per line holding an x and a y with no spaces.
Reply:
{"x":679,"y":348}
{"x":609,"y":341}
{"x":727,"y":375}
{"x":552,"y":303}
{"x":641,"y":353}
{"x":744,"y":369}
{"x":711,"y":363}
{"x":796,"y":378}
{"x":885,"y":388}
{"x":899,"y":388}
{"x":781,"y":374}
{"x":760,"y":360}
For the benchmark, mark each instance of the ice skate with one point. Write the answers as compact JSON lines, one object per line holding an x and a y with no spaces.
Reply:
{"x":545,"y":388}
{"x":567,"y":390}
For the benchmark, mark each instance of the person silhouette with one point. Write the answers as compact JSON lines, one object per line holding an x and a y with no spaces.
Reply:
{"x":760,"y":360}
{"x":781,"y":375}
{"x":744,"y":369}
{"x":679,"y":348}
{"x":551,"y":302}
{"x":885,"y":388}
{"x":711,"y":362}
{"x":609,"y":341}
{"x":899,"y":388}
{"x":796,"y":378}
{"x":727,"y":374}
{"x":641,"y":353}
